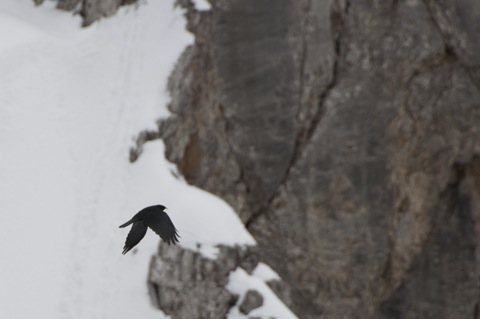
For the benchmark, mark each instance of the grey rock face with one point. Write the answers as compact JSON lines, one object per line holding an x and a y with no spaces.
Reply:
{"x":345,"y":134}
{"x":186,"y":285}
{"x":252,"y":300}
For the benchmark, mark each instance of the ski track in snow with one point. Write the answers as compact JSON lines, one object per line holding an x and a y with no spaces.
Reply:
{"x":71,"y":102}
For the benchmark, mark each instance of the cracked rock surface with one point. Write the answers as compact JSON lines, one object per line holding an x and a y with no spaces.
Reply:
{"x":346,"y":136}
{"x":184,"y":284}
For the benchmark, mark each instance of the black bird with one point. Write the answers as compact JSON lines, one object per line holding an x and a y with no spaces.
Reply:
{"x":158,"y":221}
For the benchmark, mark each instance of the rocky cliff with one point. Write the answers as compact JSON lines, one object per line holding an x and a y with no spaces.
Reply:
{"x":346,"y":135}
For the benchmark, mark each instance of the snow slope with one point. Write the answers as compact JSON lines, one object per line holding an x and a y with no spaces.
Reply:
{"x":71,"y":101}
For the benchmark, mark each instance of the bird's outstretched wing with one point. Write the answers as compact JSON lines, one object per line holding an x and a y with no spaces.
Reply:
{"x":138,"y":231}
{"x":161,"y":224}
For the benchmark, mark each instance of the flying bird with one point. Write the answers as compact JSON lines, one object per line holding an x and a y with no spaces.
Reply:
{"x":158,"y":221}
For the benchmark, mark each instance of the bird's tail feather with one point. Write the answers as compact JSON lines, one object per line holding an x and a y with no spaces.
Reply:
{"x":126,"y":224}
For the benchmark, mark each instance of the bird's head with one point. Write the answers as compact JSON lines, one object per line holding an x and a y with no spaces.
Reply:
{"x":161,"y":207}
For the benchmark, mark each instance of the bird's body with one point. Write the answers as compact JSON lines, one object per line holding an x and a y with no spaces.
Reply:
{"x":158,"y":221}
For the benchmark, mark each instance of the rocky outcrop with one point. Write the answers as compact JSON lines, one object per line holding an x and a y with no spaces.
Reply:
{"x":184,"y":284}
{"x":252,"y":300}
{"x":345,"y":135}
{"x":90,"y":10}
